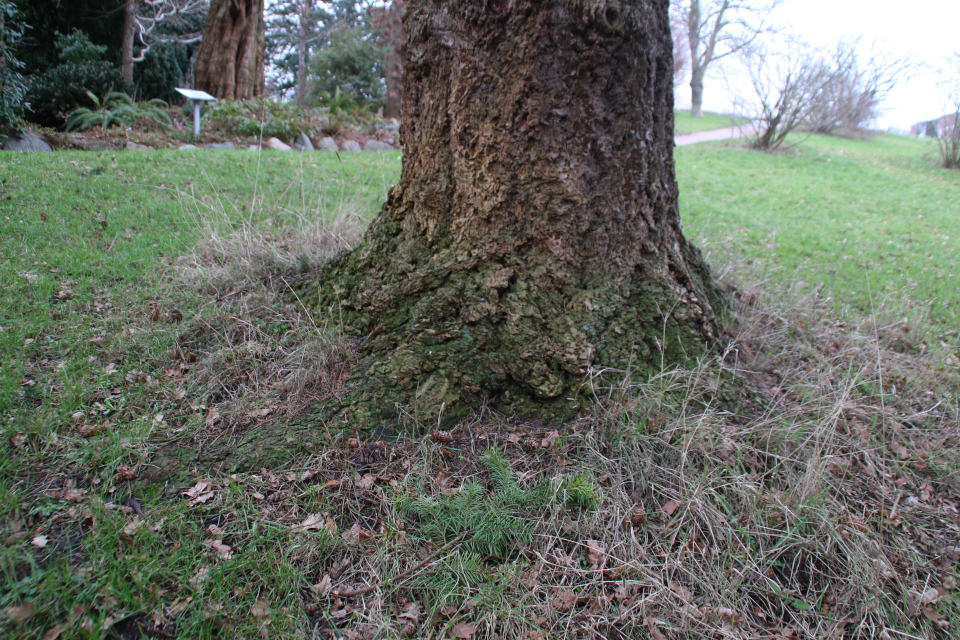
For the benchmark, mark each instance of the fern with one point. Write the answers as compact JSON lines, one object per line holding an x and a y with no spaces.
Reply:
{"x":117,"y":109}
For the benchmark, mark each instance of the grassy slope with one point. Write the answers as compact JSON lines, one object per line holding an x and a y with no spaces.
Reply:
{"x":95,"y":225}
{"x":111,"y":241}
{"x":860,"y":216}
{"x":684,"y":123}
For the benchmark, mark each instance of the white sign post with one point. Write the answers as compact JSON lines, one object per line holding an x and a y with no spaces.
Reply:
{"x":197,"y":97}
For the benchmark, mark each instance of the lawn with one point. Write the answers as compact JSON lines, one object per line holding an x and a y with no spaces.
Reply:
{"x":684,"y":123}
{"x":147,"y":325}
{"x":870,"y":219}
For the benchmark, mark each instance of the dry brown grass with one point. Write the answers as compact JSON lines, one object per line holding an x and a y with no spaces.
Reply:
{"x":821,"y":502}
{"x":822,"y":509}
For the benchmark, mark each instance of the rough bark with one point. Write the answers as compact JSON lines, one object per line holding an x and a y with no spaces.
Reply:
{"x":126,"y":43}
{"x":534,"y":239}
{"x":231,"y":55}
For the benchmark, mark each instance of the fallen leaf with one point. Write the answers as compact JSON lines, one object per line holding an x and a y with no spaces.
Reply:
{"x":223,"y":550}
{"x":21,"y":614}
{"x":930,"y":596}
{"x":317,"y":522}
{"x":330,"y":484}
{"x":595,"y":552}
{"x":261,"y":609}
{"x":132,"y":526}
{"x":357,"y":534}
{"x":212,"y":416}
{"x":323,"y":587}
{"x":670,"y":508}
{"x":564,"y":600}
{"x":464,"y":631}
{"x":53,"y":633}
{"x":199,"y":493}
{"x":514,"y":438}
{"x":40,"y":541}
{"x":365,"y":482}
{"x":655,"y":633}
{"x":198,"y":580}
{"x":550,"y":438}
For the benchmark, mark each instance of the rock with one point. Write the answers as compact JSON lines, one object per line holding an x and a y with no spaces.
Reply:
{"x":303,"y":143}
{"x":376,"y":145}
{"x":187,"y":147}
{"x":221,"y":145}
{"x":96,"y":145}
{"x":350,"y":146}
{"x":328,"y":144}
{"x":133,"y":146}
{"x":24,"y":142}
{"x":253,"y":147}
{"x":277,"y":145}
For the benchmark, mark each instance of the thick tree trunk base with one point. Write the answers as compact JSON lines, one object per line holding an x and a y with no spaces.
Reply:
{"x":532,"y":251}
{"x":442,"y":337}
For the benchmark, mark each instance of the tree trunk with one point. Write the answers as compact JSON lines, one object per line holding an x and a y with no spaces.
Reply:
{"x":534,"y":240}
{"x":126,"y":44}
{"x":303,"y":12}
{"x":394,"y":62}
{"x":696,"y":93}
{"x":231,"y":56}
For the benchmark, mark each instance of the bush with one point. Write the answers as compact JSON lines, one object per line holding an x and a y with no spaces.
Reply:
{"x":351,"y":62}
{"x":13,"y":87}
{"x":66,"y":87}
{"x":117,"y":109}
{"x":274,"y":119}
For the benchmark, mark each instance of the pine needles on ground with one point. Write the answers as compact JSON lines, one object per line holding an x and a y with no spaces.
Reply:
{"x":493,"y":527}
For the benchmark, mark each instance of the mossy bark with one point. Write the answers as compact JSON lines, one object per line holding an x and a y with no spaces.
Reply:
{"x":534,"y":238}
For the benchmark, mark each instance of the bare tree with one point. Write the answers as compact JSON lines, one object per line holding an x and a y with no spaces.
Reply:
{"x":786,"y":84}
{"x":716,"y":29}
{"x":151,"y":22}
{"x":681,"y":51}
{"x":854,"y":89}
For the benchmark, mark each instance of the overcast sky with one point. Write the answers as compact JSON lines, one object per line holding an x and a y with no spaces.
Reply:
{"x":929,"y":30}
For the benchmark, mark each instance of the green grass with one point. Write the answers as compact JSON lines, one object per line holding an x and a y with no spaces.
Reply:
{"x":89,"y":242}
{"x":684,"y":123}
{"x":860,"y":216}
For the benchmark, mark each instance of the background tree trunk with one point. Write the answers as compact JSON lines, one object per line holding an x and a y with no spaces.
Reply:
{"x":394,"y":62}
{"x":534,"y":237}
{"x":696,"y":93}
{"x":303,"y":35}
{"x":231,"y":56}
{"x":126,"y":44}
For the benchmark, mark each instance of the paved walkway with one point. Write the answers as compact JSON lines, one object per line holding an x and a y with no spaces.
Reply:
{"x":719,"y":134}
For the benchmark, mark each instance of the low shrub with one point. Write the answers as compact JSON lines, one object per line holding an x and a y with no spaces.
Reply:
{"x":13,"y":87}
{"x":268,"y":118}
{"x":68,"y":86}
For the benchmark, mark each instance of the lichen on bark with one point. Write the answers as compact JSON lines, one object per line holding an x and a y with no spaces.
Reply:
{"x":534,"y":236}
